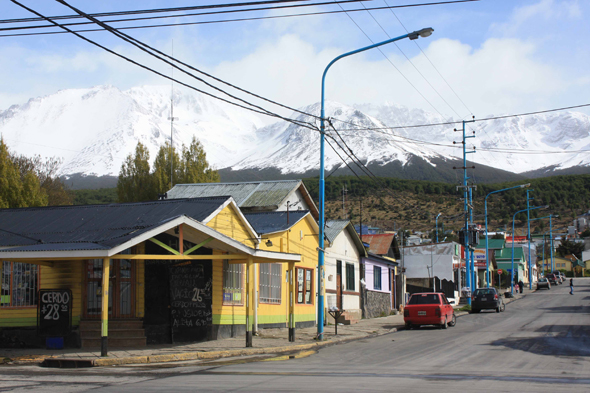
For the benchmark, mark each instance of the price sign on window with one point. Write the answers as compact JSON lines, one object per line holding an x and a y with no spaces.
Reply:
{"x":54,"y":312}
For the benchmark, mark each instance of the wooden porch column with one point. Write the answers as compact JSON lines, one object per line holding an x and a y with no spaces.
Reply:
{"x":292,"y":277}
{"x":249,"y":302}
{"x":104,"y":327}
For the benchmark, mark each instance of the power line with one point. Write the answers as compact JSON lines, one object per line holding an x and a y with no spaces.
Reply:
{"x":154,"y":10}
{"x":163,"y":16}
{"x":264,"y":112}
{"x":240,"y":19}
{"x":459,"y":122}
{"x":142,"y":46}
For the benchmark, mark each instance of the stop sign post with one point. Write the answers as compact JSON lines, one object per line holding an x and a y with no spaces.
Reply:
{"x":499,"y":279}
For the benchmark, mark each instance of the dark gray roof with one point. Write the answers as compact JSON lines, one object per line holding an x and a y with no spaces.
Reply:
{"x":250,"y":194}
{"x":270,"y":222}
{"x":95,"y":227}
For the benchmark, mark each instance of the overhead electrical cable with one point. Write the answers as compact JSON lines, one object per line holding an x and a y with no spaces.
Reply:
{"x":264,"y":112}
{"x":238,"y":20}
{"x":135,"y":19}
{"x":155,"y":10}
{"x":147,"y":48}
{"x":460,"y":122}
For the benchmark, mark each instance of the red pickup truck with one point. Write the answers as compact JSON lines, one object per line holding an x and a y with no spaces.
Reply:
{"x":429,"y":308}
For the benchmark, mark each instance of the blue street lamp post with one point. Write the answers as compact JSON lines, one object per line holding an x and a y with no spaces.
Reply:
{"x":437,"y":226}
{"x":513,"y":218}
{"x":540,"y":218}
{"x":528,"y":220}
{"x":412,"y":36}
{"x":486,"y":220}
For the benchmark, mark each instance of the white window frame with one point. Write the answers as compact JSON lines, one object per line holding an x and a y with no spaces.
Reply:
{"x":270,"y":283}
{"x":233,"y":283}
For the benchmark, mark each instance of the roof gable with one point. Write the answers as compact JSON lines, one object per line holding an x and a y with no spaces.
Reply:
{"x":271,"y":222}
{"x":263,"y":195}
{"x":380,"y":244}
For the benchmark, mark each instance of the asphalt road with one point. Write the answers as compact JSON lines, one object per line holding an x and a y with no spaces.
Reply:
{"x":540,"y":343}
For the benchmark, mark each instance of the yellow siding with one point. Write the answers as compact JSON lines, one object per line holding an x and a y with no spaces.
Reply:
{"x":63,"y":275}
{"x":232,"y":225}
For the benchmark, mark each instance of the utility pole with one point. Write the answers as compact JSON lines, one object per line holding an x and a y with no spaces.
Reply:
{"x":466,"y":207}
{"x":344,"y":191}
{"x":172,"y":118}
{"x":361,"y":217}
{"x":528,"y":220}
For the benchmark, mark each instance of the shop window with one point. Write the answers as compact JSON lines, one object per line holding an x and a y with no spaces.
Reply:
{"x":350,"y":281}
{"x":270,"y":283}
{"x":233,"y":283}
{"x":20,"y":283}
{"x":377,"y":278}
{"x":304,"y":286}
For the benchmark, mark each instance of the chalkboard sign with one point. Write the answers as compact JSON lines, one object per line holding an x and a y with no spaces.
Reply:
{"x":190,"y":300}
{"x":54,"y":312}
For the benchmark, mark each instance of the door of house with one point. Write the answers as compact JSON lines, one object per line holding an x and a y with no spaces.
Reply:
{"x":121,"y":289}
{"x":339,"y":284}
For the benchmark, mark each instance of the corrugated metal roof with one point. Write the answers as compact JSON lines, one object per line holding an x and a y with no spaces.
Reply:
{"x":495,"y":244}
{"x":506,"y":253}
{"x":250,"y":194}
{"x":101,"y":225}
{"x":379,"y":244}
{"x":270,"y":222}
{"x":333,"y":229}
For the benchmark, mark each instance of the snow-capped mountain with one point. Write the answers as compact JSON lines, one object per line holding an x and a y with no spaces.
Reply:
{"x":94,"y":129}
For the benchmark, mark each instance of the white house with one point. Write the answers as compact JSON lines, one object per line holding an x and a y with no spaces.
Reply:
{"x":441,"y":260}
{"x":343,"y":252}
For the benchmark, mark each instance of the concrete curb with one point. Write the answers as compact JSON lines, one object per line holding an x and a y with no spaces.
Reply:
{"x":186,"y":356}
{"x":212,"y":355}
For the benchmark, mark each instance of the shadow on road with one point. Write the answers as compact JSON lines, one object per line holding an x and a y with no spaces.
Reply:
{"x":559,"y":340}
{"x":567,"y":309}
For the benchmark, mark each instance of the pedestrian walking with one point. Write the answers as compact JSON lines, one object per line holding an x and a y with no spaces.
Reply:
{"x":521,"y":285}
{"x":571,"y":286}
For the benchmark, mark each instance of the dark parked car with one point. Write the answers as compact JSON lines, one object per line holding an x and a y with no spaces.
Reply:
{"x":486,"y":299}
{"x":552,"y":279}
{"x":429,"y":308}
{"x":543,"y":283}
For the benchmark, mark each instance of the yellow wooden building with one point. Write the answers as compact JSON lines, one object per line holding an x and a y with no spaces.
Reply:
{"x":176,"y":270}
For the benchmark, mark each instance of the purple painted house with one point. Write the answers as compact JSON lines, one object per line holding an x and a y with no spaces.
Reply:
{"x":378,"y":285}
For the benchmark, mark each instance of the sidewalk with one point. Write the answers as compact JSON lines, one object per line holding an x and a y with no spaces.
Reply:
{"x":269,"y":341}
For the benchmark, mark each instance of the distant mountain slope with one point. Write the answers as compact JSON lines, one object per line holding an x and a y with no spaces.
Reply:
{"x":95,"y":129}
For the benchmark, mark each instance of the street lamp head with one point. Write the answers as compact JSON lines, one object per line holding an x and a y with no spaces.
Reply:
{"x":426,"y":32}
{"x":525,"y":185}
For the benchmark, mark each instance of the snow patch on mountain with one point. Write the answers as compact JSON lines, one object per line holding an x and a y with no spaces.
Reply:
{"x":95,"y":129}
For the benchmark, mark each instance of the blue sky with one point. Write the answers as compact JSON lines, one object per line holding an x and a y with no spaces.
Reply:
{"x":499,"y":56}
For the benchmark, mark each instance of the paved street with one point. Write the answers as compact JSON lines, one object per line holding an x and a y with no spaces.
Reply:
{"x":540,"y":343}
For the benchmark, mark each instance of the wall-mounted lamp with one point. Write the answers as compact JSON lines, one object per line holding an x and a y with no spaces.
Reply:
{"x":268,"y":243}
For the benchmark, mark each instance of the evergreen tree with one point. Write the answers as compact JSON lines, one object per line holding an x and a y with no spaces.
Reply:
{"x":135,"y":182}
{"x":19,"y":187}
{"x":161,"y":173}
{"x":194,"y":167}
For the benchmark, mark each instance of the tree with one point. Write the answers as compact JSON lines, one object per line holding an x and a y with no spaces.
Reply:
{"x":568,"y":247}
{"x":194,"y":167}
{"x":135,"y":182}
{"x":51,"y":184}
{"x":161,"y":173}
{"x":19,"y":187}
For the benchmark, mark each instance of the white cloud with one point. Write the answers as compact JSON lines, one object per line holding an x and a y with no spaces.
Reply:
{"x":500,"y":76}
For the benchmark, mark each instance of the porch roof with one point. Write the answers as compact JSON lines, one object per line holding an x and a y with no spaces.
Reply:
{"x":102,"y":231}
